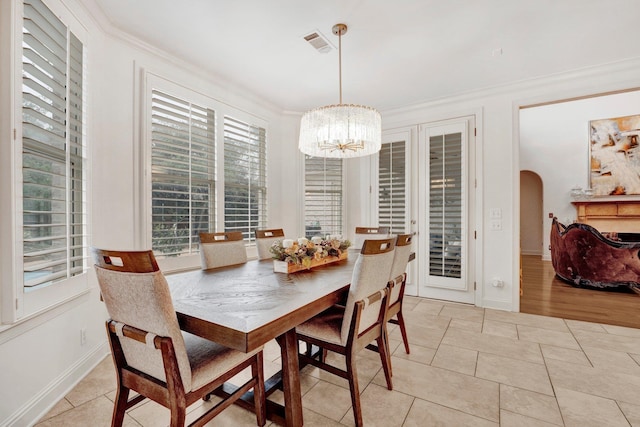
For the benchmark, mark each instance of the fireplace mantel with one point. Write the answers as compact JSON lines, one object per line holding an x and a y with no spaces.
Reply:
{"x":610,"y":215}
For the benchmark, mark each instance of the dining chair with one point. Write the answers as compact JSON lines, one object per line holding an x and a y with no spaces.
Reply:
{"x":364,"y":233}
{"x":152,"y":356}
{"x":264,"y":240}
{"x":399,"y":276}
{"x":348,"y":329}
{"x":222,"y":249}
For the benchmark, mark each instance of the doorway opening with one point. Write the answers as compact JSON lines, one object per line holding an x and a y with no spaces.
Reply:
{"x":554,"y":157}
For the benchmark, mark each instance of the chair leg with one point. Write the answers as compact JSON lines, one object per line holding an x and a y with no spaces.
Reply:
{"x":259,"y":397}
{"x":352,"y":375}
{"x":120,"y":406}
{"x":386,"y":338}
{"x":383,"y":349}
{"x":178,"y":416}
{"x":403,"y":331}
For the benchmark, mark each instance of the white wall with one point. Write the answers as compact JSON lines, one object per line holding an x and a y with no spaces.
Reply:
{"x":554,"y":143}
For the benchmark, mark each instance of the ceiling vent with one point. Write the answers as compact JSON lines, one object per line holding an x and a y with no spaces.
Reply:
{"x":319,"y":42}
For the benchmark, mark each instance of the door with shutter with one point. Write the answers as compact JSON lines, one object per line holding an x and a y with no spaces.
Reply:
{"x":445,"y":239}
{"x":394,"y":189}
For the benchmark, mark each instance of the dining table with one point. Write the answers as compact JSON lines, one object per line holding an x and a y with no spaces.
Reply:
{"x":247,"y":305}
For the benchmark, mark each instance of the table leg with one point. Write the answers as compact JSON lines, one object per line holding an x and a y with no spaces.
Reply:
{"x":291,"y":378}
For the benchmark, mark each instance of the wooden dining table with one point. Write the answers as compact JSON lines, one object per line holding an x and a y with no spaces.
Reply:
{"x":247,"y":305}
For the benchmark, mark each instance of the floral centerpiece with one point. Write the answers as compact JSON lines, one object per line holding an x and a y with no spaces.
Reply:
{"x":293,"y":255}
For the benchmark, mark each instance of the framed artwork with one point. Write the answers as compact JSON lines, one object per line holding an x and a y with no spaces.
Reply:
{"x":614,"y":154}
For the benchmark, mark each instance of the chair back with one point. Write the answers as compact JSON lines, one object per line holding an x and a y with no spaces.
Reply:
{"x":222,"y":249}
{"x":264,"y":240}
{"x":400,"y":261}
{"x":370,"y":274}
{"x":136,"y":293}
{"x":368,"y":233}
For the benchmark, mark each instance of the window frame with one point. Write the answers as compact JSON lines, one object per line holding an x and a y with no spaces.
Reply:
{"x":151,"y":81}
{"x":17,"y":302}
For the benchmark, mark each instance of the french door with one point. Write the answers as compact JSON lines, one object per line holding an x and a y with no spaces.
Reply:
{"x":425,"y":186}
{"x":446,"y":244}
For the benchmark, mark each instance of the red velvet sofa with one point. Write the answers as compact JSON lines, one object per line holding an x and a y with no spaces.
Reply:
{"x":583,"y":257}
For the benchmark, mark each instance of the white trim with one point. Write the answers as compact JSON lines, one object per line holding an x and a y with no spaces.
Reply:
{"x":498,"y":304}
{"x":8,"y":69}
{"x":21,"y":326}
{"x":586,"y":74}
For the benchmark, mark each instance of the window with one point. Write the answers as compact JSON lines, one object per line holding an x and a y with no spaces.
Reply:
{"x":322,"y":196}
{"x":445,"y":205}
{"x":207,"y":171}
{"x":392,"y":197}
{"x":54,"y":214}
{"x":182,"y":174}
{"x":245,"y":187}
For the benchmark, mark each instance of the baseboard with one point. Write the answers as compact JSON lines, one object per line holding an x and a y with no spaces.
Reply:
{"x":42,"y":402}
{"x":498,"y":305}
{"x":530,"y":252}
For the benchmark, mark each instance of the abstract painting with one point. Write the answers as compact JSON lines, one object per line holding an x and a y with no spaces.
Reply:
{"x":615,"y":156}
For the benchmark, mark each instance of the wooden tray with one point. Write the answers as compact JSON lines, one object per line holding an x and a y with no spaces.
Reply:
{"x":285,"y":267}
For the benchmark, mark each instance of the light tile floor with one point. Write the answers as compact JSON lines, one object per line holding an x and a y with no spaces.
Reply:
{"x":468,"y":367}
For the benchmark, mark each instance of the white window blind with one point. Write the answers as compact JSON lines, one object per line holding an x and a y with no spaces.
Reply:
{"x":445,"y":205}
{"x":245,"y":177}
{"x":53,"y":149}
{"x":182,"y":173}
{"x":322,"y":196}
{"x":392,"y":187}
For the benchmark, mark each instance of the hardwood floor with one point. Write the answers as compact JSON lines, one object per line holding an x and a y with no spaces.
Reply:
{"x":545,"y":294}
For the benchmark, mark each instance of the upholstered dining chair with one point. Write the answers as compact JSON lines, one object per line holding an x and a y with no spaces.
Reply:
{"x":264,"y":240}
{"x":152,"y":356}
{"x":348,"y":329}
{"x":399,"y":276}
{"x":364,"y":233}
{"x":222,"y":249}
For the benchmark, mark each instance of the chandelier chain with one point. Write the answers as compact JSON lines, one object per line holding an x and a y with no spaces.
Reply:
{"x":340,"y":62}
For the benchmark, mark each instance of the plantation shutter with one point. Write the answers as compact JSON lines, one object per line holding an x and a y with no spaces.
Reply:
{"x":245,"y":177}
{"x":392,"y":195}
{"x":53,"y":149}
{"x":183,"y":173}
{"x":322,"y":196}
{"x":445,"y":205}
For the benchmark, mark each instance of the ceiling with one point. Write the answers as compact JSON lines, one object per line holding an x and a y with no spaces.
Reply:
{"x":395,"y":53}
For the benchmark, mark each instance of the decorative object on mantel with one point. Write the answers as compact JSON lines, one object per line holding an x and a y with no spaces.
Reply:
{"x":578,"y":193}
{"x":291,"y":255}
{"x":615,"y":156}
{"x":342,"y":130}
{"x":584,"y":258}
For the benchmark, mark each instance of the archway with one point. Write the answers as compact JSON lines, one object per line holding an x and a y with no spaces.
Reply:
{"x":531,"y":217}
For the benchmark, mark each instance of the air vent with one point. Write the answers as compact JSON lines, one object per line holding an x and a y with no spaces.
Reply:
{"x":319,"y":42}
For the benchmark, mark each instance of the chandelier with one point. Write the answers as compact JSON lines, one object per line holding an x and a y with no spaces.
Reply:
{"x":342,"y":130}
